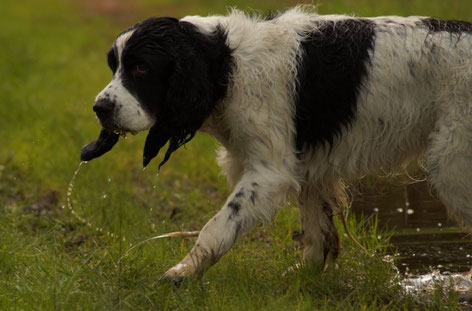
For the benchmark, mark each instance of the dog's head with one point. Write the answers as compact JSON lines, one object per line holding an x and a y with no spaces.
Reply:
{"x":167,"y":77}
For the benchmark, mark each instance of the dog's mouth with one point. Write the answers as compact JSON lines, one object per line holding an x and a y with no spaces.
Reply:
{"x":157,"y":137}
{"x":118,"y":130}
{"x":111,"y":126}
{"x":104,"y":143}
{"x":121,"y":132}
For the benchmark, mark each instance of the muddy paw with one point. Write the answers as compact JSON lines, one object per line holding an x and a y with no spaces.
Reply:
{"x":176,"y":274}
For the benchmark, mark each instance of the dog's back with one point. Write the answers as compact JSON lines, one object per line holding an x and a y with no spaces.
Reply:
{"x":371,"y":95}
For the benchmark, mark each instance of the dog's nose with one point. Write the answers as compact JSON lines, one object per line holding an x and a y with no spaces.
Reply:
{"x":103,"y":108}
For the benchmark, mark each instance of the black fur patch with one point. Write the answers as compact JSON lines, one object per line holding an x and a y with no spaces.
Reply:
{"x":331,"y":71}
{"x":452,"y":26}
{"x":112,"y":60}
{"x":240,"y":193}
{"x":187,"y":75}
{"x":235,"y":207}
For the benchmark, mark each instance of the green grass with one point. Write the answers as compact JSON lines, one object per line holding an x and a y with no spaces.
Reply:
{"x":52,"y":64}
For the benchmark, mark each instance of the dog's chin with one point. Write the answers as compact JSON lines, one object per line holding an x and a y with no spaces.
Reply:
{"x":117,"y":129}
{"x":122,"y":132}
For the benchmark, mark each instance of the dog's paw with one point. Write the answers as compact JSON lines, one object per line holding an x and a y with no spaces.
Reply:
{"x":292,"y":269}
{"x":177,"y":274}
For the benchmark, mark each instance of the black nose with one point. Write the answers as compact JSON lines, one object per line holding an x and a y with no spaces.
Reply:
{"x":103,"y":108}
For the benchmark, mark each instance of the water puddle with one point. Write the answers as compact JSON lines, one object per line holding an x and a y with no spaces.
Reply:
{"x":431,"y":249}
{"x":424,"y":236}
{"x":428,"y":282}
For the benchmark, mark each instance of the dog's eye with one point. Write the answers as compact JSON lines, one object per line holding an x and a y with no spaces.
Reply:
{"x":140,"y":69}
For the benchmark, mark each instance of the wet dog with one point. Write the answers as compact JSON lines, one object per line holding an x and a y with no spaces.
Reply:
{"x":302,"y":104}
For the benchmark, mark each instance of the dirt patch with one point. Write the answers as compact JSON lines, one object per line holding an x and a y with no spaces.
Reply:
{"x":47,"y":204}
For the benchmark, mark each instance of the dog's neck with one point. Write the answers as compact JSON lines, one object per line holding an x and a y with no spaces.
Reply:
{"x":215,"y":125}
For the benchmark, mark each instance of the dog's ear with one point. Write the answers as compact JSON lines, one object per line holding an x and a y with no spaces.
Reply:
{"x":156,"y":139}
{"x":198,"y":81}
{"x":189,"y":97}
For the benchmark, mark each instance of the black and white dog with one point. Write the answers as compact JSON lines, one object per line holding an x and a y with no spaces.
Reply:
{"x":301,"y":104}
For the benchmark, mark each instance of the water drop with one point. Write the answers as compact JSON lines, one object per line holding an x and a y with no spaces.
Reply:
{"x":109,"y":179}
{"x":418,"y":229}
{"x":376,"y":210}
{"x":410,"y":211}
{"x":439,"y":224}
{"x":400,"y":210}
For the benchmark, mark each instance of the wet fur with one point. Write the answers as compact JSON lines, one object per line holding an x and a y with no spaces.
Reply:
{"x":301,"y":104}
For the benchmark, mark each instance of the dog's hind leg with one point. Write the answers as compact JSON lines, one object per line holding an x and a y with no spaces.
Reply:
{"x":255,"y":199}
{"x":320,"y":236}
{"x":449,"y":161}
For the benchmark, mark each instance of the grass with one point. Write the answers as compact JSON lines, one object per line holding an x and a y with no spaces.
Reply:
{"x":52,"y":62}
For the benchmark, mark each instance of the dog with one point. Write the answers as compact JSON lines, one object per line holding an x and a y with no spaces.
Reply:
{"x":302,"y":104}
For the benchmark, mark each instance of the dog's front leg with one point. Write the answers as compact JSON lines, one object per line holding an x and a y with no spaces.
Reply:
{"x":255,"y":199}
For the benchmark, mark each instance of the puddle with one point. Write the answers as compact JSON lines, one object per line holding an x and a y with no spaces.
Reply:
{"x":431,"y":250}
{"x":427,"y":283}
{"x":424,"y":236}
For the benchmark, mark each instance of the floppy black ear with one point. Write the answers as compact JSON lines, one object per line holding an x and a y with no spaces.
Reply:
{"x":155,"y":140}
{"x":190,"y":97}
{"x":198,"y":82}
{"x":188,"y":103}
